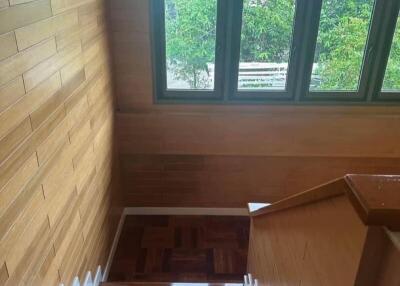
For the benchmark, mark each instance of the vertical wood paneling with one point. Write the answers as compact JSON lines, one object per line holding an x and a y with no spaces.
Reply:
{"x":56,"y":146}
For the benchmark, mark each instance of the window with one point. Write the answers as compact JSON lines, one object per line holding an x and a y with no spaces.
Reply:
{"x":284,"y":51}
{"x":341,"y":42}
{"x":265,"y":44}
{"x":391,"y":81}
{"x":190,"y":32}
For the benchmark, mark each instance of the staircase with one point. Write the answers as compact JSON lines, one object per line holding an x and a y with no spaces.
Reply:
{"x":345,"y":232}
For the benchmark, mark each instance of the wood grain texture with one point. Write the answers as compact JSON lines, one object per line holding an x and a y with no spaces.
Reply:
{"x":376,"y":198}
{"x":389,"y":269}
{"x":181,"y":249}
{"x":300,"y":146}
{"x":8,"y":45}
{"x":380,"y":261}
{"x":273,"y":134}
{"x":21,"y":15}
{"x":325,"y":191}
{"x":59,"y":202}
{"x":38,"y":31}
{"x":221,"y":181}
{"x":11,"y":92}
{"x":315,"y":244}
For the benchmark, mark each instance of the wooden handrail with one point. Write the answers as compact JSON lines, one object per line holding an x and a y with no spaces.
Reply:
{"x":376,"y":198}
{"x":331,"y":189}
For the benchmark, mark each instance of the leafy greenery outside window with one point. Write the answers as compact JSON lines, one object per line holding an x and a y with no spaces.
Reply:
{"x":265,"y":44}
{"x":190,"y":31}
{"x":341,"y":42}
{"x":276,"y":51}
{"x":391,"y":81}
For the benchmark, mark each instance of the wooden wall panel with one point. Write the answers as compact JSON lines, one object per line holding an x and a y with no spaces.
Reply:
{"x":260,"y":134}
{"x":19,"y":16}
{"x":56,"y":142}
{"x":8,"y":45}
{"x":299,"y":146}
{"x":315,"y":244}
{"x":233,"y":181}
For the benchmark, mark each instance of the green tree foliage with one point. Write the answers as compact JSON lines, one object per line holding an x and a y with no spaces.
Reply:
{"x":190,"y":38}
{"x":266,"y":37}
{"x":341,"y":41}
{"x":392,"y":76}
{"x":267,"y":30}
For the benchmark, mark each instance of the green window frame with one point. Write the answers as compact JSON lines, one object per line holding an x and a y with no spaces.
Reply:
{"x":303,"y":46}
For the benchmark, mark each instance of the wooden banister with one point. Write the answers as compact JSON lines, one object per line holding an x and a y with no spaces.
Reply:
{"x":331,"y":189}
{"x":376,"y":198}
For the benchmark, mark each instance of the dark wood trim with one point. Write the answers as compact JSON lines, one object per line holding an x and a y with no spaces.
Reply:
{"x":374,"y":248}
{"x":376,"y":198}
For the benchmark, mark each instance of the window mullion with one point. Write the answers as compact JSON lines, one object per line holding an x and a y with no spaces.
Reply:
{"x":220,"y":49}
{"x":381,"y":36}
{"x":233,"y":27}
{"x":158,"y":47}
{"x":309,"y":16}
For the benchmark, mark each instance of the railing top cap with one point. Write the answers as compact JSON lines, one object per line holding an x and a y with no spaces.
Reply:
{"x":376,"y":198}
{"x":376,"y":192}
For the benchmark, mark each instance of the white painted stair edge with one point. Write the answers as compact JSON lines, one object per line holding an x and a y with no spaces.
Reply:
{"x":89,"y":281}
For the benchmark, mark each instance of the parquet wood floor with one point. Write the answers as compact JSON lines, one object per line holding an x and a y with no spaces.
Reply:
{"x":182,"y":249}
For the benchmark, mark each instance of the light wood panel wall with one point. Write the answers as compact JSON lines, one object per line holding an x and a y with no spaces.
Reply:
{"x":193,"y":180}
{"x":316,"y":244}
{"x":58,"y":202}
{"x":317,"y":143}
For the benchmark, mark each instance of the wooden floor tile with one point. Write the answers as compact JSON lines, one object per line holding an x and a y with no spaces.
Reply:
{"x":158,"y":237}
{"x":182,"y":249}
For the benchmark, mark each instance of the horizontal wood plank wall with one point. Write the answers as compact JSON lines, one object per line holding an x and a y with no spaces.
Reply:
{"x":181,"y":180}
{"x":298,"y":146}
{"x":58,"y":207}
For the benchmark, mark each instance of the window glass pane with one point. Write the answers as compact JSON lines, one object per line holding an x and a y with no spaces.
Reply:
{"x":392,"y":74}
{"x":342,"y":36}
{"x":190,"y":32}
{"x":265,"y":43}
